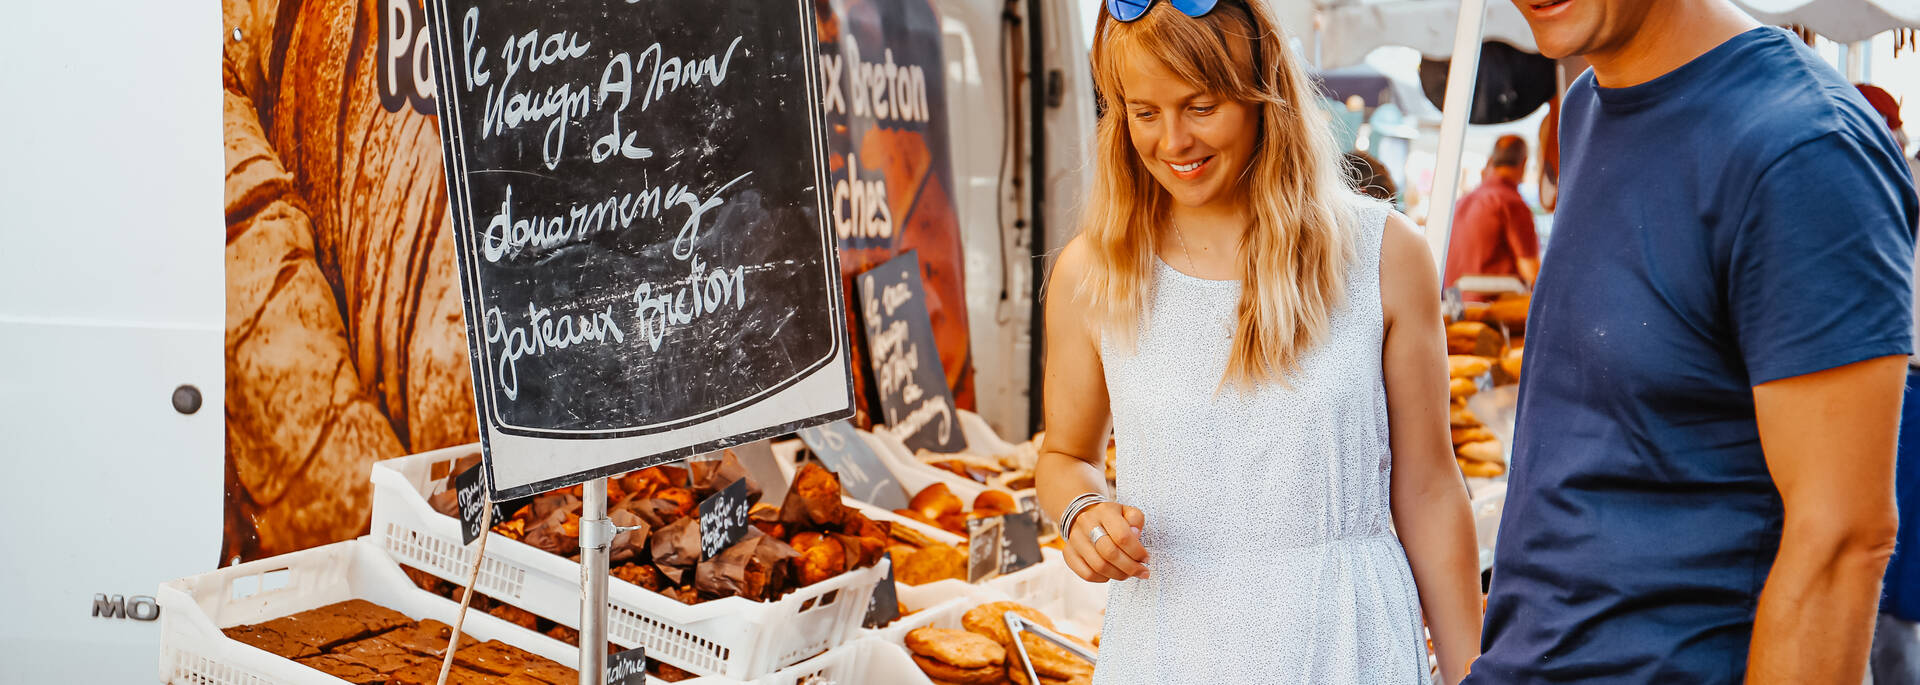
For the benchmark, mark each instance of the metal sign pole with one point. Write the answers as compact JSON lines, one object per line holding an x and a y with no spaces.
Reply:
{"x":596,"y":533}
{"x":1461,"y":75}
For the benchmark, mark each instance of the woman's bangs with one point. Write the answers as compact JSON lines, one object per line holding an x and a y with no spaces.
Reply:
{"x":1188,"y":47}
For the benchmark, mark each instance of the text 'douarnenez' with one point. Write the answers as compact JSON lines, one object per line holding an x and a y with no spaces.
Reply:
{"x":638,"y":194}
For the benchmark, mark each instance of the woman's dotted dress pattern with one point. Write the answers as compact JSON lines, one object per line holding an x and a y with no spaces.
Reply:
{"x":1272,"y":555}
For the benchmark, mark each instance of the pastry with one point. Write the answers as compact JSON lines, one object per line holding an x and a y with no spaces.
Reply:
{"x":820,"y":557}
{"x":989,"y":675}
{"x":1467,"y":366}
{"x":993,"y":503}
{"x":1461,"y":387}
{"x":1462,"y":436}
{"x":270,"y":640}
{"x":345,"y":669}
{"x":957,"y":648}
{"x":1459,"y":416}
{"x":1480,"y":469}
{"x":935,"y":563}
{"x":990,"y":619}
{"x":1484,"y":451}
{"x":935,"y":501}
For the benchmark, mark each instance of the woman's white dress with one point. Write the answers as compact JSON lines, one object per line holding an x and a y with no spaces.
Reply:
{"x":1272,"y":555}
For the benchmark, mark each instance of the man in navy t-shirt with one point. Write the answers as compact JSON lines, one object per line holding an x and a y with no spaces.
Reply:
{"x":1702,"y":484}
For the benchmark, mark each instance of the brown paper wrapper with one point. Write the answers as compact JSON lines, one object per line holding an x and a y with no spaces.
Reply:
{"x":814,"y":499}
{"x":711,"y":475}
{"x":630,"y":545}
{"x":549,"y":534}
{"x":676,"y":549}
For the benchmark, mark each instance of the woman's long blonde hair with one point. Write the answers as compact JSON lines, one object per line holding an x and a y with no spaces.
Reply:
{"x":1294,"y":255}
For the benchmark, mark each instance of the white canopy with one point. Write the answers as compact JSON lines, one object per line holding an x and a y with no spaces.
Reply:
{"x":1352,"y":28}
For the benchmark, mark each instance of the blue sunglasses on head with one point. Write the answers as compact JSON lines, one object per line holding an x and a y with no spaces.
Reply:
{"x":1129,"y":10}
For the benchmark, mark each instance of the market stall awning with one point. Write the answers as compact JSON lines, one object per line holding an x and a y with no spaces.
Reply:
{"x":1353,"y":28}
{"x":1845,"y":21}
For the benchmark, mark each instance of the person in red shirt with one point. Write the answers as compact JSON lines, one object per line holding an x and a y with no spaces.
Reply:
{"x":1492,"y":226}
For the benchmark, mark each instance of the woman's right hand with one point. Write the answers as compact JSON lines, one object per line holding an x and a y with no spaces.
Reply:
{"x":1117,"y":556}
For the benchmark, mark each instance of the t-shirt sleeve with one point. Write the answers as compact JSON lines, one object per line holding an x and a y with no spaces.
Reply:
{"x":1821,"y":273}
{"x":1521,"y":234}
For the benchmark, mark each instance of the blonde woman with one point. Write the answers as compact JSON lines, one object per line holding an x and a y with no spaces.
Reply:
{"x":1268,"y":347}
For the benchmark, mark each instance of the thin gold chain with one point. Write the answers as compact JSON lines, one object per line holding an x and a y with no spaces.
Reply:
{"x":1181,"y":236}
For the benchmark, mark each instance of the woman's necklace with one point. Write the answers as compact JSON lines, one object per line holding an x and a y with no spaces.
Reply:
{"x":1180,"y":235}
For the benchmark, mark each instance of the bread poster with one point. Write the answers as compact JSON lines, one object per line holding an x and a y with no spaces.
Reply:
{"x":345,"y":342}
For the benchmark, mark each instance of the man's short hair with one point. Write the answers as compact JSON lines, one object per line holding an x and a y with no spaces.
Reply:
{"x":1509,"y":151}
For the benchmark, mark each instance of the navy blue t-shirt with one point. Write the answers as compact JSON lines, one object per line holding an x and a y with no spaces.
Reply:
{"x":1742,"y":219}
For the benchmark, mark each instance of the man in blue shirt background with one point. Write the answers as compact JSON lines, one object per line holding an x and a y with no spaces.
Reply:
{"x":1702,"y":485}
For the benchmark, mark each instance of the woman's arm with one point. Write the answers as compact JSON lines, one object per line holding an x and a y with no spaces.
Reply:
{"x":1429,"y":501}
{"x":1073,"y":456}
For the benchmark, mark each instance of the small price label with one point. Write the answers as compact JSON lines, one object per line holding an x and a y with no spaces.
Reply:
{"x":984,"y":548}
{"x":1020,"y":540}
{"x":884,"y":608}
{"x":723,"y":519}
{"x":842,"y":450}
{"x":628,"y":667}
{"x":471,"y":493}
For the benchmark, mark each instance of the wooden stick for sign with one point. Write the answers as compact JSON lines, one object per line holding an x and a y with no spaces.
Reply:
{"x":460,"y":619}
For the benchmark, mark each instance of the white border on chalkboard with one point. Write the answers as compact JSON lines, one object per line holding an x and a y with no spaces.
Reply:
{"x":829,"y":264}
{"x":593,"y":454}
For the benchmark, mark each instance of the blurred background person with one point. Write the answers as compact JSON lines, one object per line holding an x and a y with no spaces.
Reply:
{"x":1493,"y":232}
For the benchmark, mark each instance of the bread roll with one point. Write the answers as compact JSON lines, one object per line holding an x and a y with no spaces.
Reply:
{"x":1467,"y":366}
{"x":1484,"y":451}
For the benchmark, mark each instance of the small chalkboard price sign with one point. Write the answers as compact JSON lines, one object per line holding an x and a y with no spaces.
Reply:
{"x":470,"y":497}
{"x":627,"y":667}
{"x":1000,"y":545}
{"x":904,"y":358}
{"x":840,"y":447}
{"x":723,"y":519}
{"x":984,"y":548}
{"x":883,"y":608}
{"x":1020,"y":537}
{"x":638,"y":203}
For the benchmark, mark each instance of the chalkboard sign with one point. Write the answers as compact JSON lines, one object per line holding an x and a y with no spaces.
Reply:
{"x":1020,"y":541}
{"x":627,"y":667}
{"x":470,"y":497}
{"x":883,"y":608}
{"x":723,"y":519}
{"x":638,"y":204}
{"x":984,"y":548}
{"x":840,"y":447}
{"x":905,"y":360}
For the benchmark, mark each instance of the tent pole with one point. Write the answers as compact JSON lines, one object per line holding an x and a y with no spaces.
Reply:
{"x":1461,"y":75}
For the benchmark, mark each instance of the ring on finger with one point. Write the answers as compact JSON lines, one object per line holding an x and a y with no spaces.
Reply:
{"x":1094,"y":536}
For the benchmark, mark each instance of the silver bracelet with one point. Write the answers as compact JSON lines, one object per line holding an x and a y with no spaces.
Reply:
{"x":1074,"y":508}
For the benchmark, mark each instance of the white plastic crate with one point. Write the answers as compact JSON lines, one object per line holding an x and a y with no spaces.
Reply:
{"x":196,"y":608}
{"x":862,"y":662}
{"x":734,"y":637}
{"x":948,"y":614}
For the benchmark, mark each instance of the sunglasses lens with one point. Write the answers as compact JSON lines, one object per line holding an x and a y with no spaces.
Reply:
{"x":1127,"y":10}
{"x":1194,"y":8}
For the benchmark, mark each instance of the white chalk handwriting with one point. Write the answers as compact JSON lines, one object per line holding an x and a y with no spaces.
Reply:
{"x":543,"y":332}
{"x":506,"y":236}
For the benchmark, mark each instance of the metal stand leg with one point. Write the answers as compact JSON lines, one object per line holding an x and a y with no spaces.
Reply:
{"x":595,"y":535}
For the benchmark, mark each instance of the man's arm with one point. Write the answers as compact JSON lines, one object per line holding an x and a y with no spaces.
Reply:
{"x":1829,"y":439}
{"x":1523,"y":238}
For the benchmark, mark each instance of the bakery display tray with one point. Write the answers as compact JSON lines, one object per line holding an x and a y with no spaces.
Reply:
{"x":733,"y":637}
